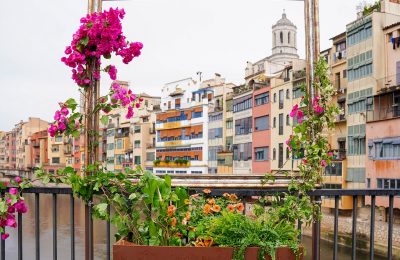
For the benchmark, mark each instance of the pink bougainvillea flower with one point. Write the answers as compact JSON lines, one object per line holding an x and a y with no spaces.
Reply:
{"x":57,"y":115}
{"x":330,"y":154}
{"x":13,"y":191}
{"x":21,"y":207}
{"x":10,"y":222}
{"x":112,"y":71}
{"x":4,"y":236}
{"x":323,"y":163}
{"x":64,"y":111}
{"x":295,"y":108}
{"x":18,"y":179}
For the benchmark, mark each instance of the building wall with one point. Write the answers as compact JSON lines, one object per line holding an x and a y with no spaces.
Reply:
{"x":261,"y":138}
{"x":392,"y":54}
{"x":382,"y":168}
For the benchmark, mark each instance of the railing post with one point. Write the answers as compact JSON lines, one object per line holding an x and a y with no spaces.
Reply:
{"x":316,"y":231}
{"x":354,"y":230}
{"x":372,"y":229}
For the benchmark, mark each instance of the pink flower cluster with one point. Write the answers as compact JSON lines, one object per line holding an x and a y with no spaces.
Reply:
{"x":298,"y":113}
{"x":123,"y":96}
{"x":8,"y":218}
{"x":317,"y":108}
{"x":289,"y":142}
{"x":61,"y":121}
{"x":100,"y":34}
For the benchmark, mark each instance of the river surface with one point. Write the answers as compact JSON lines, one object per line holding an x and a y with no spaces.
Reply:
{"x":63,"y":234}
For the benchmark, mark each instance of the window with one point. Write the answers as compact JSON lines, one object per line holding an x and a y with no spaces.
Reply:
{"x":360,"y":66}
{"x":242,"y":152}
{"x":274,"y":123}
{"x":150,"y":156}
{"x":281,"y":37}
{"x":137,"y":129}
{"x":261,"y":154}
{"x":216,"y":117}
{"x":58,"y":139}
{"x":274,"y":154}
{"x":287,"y":94}
{"x":287,"y":153}
{"x":344,"y":74}
{"x":281,"y":99}
{"x":119,"y":159}
{"x":368,"y":183}
{"x":137,"y":144}
{"x":110,"y":146}
{"x":197,"y":114}
{"x":287,"y":120}
{"x":288,"y":37}
{"x":55,"y":148}
{"x":120,"y":144}
{"x":229,"y":123}
{"x":385,"y":149}
{"x":261,"y":123}
{"x":359,"y":33}
{"x":55,"y":160}
{"x":280,"y":156}
{"x":213,"y":151}
{"x":137,"y":160}
{"x":243,"y":103}
{"x":280,"y":124}
{"x":297,"y":92}
{"x":243,"y":126}
{"x":215,"y":133}
{"x":110,"y":133}
{"x":356,"y":143}
{"x":262,"y":99}
{"x":274,"y":97}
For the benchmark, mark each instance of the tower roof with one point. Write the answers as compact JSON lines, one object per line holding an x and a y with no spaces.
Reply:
{"x":283,"y":21}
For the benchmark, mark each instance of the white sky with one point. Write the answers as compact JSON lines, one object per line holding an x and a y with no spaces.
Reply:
{"x":180,"y":37}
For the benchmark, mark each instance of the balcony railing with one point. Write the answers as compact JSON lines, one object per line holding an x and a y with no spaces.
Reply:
{"x":317,"y":195}
{"x":341,"y":118}
{"x":299,"y":74}
{"x":383,"y":113}
{"x":389,"y":82}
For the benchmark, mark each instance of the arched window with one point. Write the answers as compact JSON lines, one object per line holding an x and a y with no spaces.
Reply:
{"x":274,"y":154}
{"x":281,"y":37}
{"x":274,"y":123}
{"x":287,"y":153}
{"x":274,"y":38}
{"x":288,"y":37}
{"x":287,"y":94}
{"x":287,"y":120}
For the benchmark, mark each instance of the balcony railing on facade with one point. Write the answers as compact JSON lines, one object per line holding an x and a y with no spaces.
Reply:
{"x":340,"y":86}
{"x":383,"y":114}
{"x":299,"y":74}
{"x":341,"y":118}
{"x":339,"y":56}
{"x":389,"y":83}
{"x":261,"y":85}
{"x":339,"y":154}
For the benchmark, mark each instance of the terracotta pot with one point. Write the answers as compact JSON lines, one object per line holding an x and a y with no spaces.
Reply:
{"x":123,"y":250}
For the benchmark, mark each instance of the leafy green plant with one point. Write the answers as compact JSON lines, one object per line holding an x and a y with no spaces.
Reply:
{"x":156,"y":162}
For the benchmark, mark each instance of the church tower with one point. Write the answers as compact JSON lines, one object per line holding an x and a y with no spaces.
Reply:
{"x":284,"y":41}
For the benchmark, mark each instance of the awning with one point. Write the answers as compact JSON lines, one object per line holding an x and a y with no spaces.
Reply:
{"x":378,"y":141}
{"x":387,"y":141}
{"x":341,"y":139}
{"x":396,"y":140}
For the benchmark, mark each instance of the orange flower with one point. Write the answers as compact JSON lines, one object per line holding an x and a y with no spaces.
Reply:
{"x":231,"y":208}
{"x":239,"y":207}
{"x":216,"y":208}
{"x":207,"y":191}
{"x":233,"y":197}
{"x":187,"y":217}
{"x":171,"y":210}
{"x":203,"y":242}
{"x":195,"y":195}
{"x":208,"y":242}
{"x":226,"y":195}
{"x":211,"y":201}
{"x":173,"y":222}
{"x":179,"y":235}
{"x":206,"y":209}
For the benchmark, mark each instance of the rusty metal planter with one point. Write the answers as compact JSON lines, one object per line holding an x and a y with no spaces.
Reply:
{"x":124,"y":250}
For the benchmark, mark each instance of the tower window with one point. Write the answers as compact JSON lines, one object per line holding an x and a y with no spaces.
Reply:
{"x":281,"y":34}
{"x":288,"y":37}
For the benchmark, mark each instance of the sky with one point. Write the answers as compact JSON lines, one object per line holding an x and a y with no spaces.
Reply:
{"x":180,"y":37}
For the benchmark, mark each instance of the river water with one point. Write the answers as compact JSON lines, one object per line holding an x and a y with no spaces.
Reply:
{"x":63,"y":234}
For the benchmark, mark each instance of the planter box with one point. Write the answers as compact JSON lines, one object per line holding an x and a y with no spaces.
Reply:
{"x":123,"y":250}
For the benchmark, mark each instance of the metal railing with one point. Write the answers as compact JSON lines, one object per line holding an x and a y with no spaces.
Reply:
{"x":218,"y":191}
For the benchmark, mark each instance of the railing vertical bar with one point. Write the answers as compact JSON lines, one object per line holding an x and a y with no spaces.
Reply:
{"x":19,"y":236}
{"x":37,"y":226}
{"x":390,"y":227}
{"x":108,"y":240}
{"x":316,"y":232}
{"x":372,"y":229}
{"x":90,"y":230}
{"x":3,"y":242}
{"x":72,"y":219}
{"x":354,"y":230}
{"x":54,"y":226}
{"x":299,"y":223}
{"x":336,"y":228}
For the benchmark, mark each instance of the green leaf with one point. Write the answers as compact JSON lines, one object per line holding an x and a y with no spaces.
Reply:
{"x":84,"y":41}
{"x":104,"y":120}
{"x":107,"y":56}
{"x":101,"y":209}
{"x":132,"y":196}
{"x":75,"y":133}
{"x":71,"y":103}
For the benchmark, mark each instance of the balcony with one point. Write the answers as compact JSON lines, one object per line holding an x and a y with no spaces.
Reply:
{"x":388,"y":84}
{"x":339,"y":56}
{"x":339,"y":154}
{"x":299,"y":74}
{"x":340,"y":118}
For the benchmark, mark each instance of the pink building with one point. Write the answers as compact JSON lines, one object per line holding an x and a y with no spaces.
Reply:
{"x":383,"y":136}
{"x":261,"y":130}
